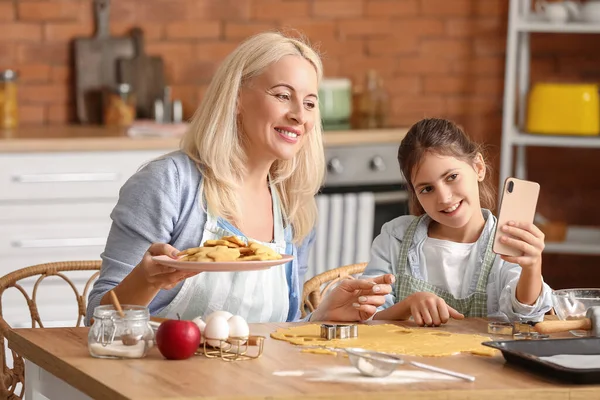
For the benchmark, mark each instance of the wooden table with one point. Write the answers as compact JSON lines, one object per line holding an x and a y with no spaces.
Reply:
{"x":59,"y":366}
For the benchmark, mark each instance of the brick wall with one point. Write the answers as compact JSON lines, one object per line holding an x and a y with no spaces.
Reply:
{"x":437,"y":57}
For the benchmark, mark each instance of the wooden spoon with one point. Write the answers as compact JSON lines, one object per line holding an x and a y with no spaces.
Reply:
{"x":116,"y":303}
{"x":127,"y":338}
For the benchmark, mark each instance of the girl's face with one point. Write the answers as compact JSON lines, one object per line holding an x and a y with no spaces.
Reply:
{"x":448,"y":189}
{"x":278,"y":108}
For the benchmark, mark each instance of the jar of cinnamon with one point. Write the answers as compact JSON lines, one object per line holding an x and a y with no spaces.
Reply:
{"x":9,"y":117}
{"x":119,"y":106}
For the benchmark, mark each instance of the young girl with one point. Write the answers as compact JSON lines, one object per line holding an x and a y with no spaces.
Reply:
{"x":442,"y":254}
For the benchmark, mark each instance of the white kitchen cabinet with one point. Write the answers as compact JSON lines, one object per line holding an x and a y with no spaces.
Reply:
{"x":56,"y":207}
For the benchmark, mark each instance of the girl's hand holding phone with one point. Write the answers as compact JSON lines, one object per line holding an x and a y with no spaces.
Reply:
{"x":526,"y":238}
{"x":428,"y":309}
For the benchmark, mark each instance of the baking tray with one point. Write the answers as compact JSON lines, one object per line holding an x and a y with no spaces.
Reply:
{"x":526,"y":353}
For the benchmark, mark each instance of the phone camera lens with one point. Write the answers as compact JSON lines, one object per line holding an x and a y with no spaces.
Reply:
{"x":510,"y":187}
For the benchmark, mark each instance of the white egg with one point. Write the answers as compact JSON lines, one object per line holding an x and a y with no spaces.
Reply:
{"x":238,"y":328}
{"x":201,"y":325}
{"x":216,"y":329}
{"x":224,"y":314}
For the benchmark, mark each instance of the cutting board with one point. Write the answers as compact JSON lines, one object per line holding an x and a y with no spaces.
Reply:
{"x":145,"y":74}
{"x":95,"y":64}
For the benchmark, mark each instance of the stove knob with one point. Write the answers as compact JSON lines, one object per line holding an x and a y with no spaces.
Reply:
{"x":334,"y":166}
{"x":377,"y":164}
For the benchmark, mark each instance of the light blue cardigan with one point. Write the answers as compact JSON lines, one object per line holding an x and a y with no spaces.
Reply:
{"x":160,"y":204}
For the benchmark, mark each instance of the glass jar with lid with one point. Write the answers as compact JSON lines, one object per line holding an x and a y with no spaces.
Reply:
{"x":115,"y":336}
{"x":9,"y":117}
{"x":119,"y":106}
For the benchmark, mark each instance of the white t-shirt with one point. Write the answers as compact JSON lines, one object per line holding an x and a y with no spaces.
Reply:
{"x":446,"y":263}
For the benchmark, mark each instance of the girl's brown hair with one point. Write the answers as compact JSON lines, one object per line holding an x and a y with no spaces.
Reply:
{"x":442,"y":137}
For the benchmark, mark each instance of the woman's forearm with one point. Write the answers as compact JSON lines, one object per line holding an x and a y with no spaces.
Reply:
{"x":133,"y":289}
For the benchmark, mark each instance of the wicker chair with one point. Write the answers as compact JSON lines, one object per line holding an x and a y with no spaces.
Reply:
{"x":312,"y":292}
{"x":10,"y":378}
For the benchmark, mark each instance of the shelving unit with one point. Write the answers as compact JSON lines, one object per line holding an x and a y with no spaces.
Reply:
{"x":521,"y":23}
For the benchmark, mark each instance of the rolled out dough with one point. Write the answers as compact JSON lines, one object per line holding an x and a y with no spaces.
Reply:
{"x":388,"y":338}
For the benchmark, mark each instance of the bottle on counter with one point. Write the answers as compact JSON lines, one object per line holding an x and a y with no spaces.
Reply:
{"x":9,"y":113}
{"x":372,"y":103}
{"x":119,"y":106}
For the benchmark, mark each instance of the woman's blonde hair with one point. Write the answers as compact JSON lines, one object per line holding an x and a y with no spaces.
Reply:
{"x":443,"y":137}
{"x":215,"y":144}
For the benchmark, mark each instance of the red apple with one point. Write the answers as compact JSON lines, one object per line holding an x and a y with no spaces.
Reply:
{"x":177,"y":339}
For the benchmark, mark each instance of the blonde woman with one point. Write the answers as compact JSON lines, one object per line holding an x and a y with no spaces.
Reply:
{"x":250,"y":165}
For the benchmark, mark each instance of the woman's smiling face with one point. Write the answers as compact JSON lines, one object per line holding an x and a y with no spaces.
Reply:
{"x":278,"y":108}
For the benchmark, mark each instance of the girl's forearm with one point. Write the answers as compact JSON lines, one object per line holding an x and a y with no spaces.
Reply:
{"x":399,"y":311}
{"x":529,"y":286}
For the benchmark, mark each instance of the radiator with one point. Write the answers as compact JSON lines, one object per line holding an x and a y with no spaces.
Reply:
{"x":344,"y":231}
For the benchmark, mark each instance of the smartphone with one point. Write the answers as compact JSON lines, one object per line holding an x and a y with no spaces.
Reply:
{"x":518,"y":203}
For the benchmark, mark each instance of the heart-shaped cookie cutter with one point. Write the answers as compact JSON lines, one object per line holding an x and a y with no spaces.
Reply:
{"x":334,"y":331}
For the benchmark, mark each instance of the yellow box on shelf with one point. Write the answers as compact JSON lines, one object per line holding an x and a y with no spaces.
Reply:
{"x":563,"y":109}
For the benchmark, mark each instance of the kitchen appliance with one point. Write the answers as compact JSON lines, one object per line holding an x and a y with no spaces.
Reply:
{"x":95,"y":65}
{"x":363,"y":189}
{"x":563,"y":109}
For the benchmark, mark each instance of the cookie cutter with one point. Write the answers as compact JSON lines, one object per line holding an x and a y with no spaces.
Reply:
{"x":333,"y":331}
{"x":530,"y":336}
{"x":500,"y":328}
{"x":518,"y":330}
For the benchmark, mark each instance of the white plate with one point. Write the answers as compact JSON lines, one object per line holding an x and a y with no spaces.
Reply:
{"x":221,"y":266}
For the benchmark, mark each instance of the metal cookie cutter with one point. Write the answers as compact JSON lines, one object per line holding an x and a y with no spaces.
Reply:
{"x":529,"y":336}
{"x":500,"y":328}
{"x":329,"y":331}
{"x":518,"y":330}
{"x":525,"y":331}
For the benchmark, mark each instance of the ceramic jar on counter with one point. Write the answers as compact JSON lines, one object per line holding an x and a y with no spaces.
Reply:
{"x":335,"y":103}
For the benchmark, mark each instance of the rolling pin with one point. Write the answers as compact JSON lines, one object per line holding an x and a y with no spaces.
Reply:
{"x":589,"y":323}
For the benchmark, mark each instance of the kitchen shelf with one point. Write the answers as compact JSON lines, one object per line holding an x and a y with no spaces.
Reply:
{"x":534,"y":23}
{"x":580,"y":240}
{"x":521,"y":23}
{"x":528,"y":139}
